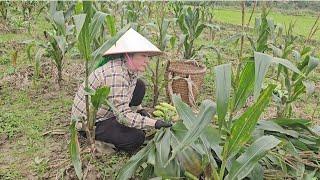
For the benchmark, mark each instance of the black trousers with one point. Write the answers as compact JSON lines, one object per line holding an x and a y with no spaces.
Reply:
{"x":124,"y":138}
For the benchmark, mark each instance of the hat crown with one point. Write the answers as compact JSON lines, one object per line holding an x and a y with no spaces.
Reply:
{"x":132,"y":42}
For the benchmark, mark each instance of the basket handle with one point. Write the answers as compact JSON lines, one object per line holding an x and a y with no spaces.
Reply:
{"x":190,"y":83}
{"x":196,"y":63}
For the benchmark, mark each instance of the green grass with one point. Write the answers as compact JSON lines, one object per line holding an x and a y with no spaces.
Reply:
{"x":24,"y":119}
{"x":233,"y":16}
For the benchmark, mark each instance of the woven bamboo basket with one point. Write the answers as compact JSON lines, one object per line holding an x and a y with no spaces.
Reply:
{"x":185,"y":78}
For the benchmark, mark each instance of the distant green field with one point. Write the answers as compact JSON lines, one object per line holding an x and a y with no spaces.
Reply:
{"x":303,"y":23}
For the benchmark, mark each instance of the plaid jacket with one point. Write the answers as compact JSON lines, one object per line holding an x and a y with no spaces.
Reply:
{"x":115,"y":75}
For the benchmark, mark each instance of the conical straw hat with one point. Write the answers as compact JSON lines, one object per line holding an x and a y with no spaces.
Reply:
{"x":132,"y":42}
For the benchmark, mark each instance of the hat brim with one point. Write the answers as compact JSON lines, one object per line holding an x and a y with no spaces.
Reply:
{"x":150,"y":53}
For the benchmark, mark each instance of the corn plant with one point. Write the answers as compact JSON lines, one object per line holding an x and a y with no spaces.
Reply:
{"x":97,"y":99}
{"x":87,"y":25}
{"x":4,"y":9}
{"x":167,"y":154}
{"x":293,"y":85}
{"x":226,"y":141}
{"x":191,"y":27}
{"x":60,"y":39}
{"x":296,"y":157}
{"x":161,"y":25}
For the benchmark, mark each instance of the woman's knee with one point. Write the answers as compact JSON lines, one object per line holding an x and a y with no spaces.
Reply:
{"x":133,"y":143}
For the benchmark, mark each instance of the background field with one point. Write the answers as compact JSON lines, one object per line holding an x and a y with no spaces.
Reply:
{"x":35,"y":116}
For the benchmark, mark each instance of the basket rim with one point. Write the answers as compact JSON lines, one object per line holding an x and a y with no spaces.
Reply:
{"x":196,"y":71}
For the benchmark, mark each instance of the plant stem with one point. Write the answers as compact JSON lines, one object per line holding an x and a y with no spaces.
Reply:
{"x":314,"y":111}
{"x":190,"y":175}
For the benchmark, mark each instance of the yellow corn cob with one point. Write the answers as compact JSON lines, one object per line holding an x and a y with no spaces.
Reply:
{"x":168,"y":106}
{"x":158,"y":113}
{"x":161,"y":108}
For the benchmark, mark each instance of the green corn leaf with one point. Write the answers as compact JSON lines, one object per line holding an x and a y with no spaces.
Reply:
{"x":152,"y":156}
{"x":291,"y":122}
{"x":199,"y":30}
{"x":274,"y":127}
{"x":162,"y":148}
{"x":257,"y":172}
{"x":262,"y":63}
{"x":312,"y":64}
{"x":234,"y":38}
{"x":62,"y":44}
{"x":111,"y":24}
{"x":245,"y":86}
{"x":243,"y":127}
{"x":128,"y":170}
{"x":162,"y":156}
{"x":309,"y":87}
{"x":249,"y":159}
{"x":287,"y":64}
{"x":74,"y":149}
{"x":99,"y":97}
{"x":59,"y":20}
{"x":79,"y":22}
{"x":199,"y":123}
{"x":38,"y":58}
{"x":223,"y":84}
{"x":96,"y":24}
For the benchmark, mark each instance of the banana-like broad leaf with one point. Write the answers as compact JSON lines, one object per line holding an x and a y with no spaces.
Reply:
{"x":128,"y":170}
{"x":246,"y":162}
{"x":245,"y":86}
{"x":223,"y":85}
{"x":99,"y":97}
{"x":74,"y":149}
{"x":274,"y":127}
{"x":262,"y":63}
{"x":243,"y":127}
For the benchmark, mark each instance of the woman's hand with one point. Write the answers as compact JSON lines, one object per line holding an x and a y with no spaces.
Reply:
{"x":159,"y":124}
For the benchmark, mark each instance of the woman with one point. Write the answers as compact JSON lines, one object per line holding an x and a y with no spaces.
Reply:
{"x":130,"y":57}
